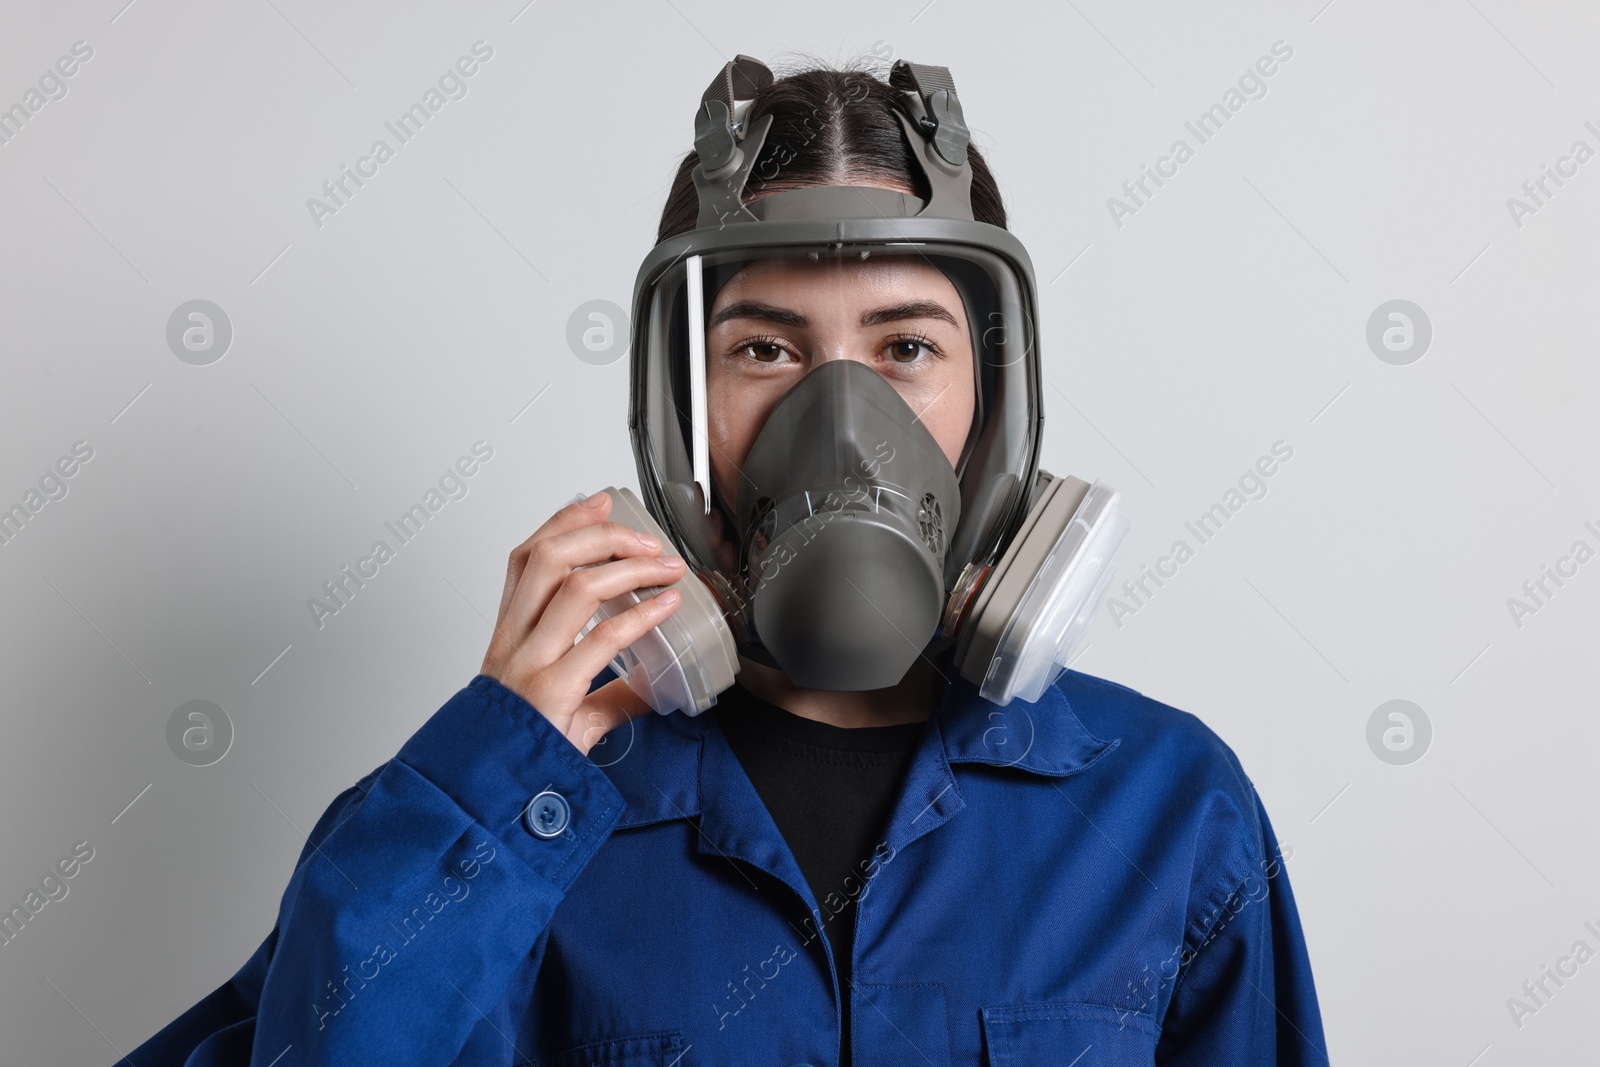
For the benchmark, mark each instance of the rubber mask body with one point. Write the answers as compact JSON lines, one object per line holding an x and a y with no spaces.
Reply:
{"x":845,"y":508}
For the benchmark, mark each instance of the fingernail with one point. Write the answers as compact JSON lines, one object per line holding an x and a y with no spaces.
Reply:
{"x":647,"y":541}
{"x":596,"y":500}
{"x":672,"y":561}
{"x":668,"y":597}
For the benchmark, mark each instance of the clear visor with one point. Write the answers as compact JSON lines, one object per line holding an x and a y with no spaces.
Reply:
{"x":723,"y":336}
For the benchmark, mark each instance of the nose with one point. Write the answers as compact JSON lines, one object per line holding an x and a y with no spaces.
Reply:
{"x":830,"y":349}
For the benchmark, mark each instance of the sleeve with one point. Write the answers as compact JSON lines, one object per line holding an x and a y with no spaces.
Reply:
{"x":419,"y":897}
{"x":1244,"y":995}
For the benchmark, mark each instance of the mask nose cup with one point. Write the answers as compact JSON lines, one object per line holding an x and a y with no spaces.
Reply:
{"x":846,"y":504}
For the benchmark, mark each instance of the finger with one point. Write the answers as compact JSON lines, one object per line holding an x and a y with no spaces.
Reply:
{"x":551,"y":559}
{"x":583,"y":591}
{"x":575,"y":515}
{"x":600,"y":646}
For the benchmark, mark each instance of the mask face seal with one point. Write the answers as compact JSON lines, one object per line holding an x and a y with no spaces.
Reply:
{"x":695,"y":387}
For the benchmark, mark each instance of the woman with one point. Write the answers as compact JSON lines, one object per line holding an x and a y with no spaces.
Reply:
{"x":871,"y":849}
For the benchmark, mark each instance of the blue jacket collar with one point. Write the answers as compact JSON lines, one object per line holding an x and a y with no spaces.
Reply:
{"x":666,"y":766}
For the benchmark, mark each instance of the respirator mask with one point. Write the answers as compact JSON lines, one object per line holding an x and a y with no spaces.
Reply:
{"x":846,"y":541}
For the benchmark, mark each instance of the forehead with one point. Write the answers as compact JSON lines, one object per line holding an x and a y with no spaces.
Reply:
{"x":800,"y":281}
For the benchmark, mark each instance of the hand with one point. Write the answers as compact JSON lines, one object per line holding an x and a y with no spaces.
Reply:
{"x":550,"y":594}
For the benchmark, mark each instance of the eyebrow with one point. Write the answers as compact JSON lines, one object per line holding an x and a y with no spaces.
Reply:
{"x":909,"y":309}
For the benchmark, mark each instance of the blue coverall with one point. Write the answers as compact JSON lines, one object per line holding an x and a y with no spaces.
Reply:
{"x":1087,"y":880}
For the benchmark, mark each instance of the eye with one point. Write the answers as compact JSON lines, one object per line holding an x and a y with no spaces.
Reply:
{"x":763,"y":350}
{"x":911,"y":349}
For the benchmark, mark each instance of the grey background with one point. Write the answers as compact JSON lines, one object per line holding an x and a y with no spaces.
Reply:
{"x":367,"y":355}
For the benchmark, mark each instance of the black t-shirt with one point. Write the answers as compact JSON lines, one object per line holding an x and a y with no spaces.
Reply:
{"x":830,"y":790}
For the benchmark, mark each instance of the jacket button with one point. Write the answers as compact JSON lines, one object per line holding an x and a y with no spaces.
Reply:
{"x":547,"y":814}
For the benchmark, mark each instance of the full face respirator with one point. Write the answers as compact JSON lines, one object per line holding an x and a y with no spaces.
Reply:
{"x":848,"y":543}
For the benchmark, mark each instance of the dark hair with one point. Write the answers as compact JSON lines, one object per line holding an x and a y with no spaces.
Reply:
{"x":829,"y":127}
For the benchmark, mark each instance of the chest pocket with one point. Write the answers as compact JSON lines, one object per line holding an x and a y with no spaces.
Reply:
{"x":663,"y":1048}
{"x":1068,"y":1035}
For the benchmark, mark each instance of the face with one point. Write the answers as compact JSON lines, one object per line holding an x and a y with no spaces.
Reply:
{"x":778,"y":319}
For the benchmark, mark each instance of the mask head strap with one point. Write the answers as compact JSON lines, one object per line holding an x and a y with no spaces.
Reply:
{"x":728,"y":150}
{"x":927,"y":108}
{"x":937,"y":131}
